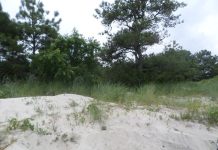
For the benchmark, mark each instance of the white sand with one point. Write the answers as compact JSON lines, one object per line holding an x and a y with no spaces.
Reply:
{"x":63,"y":120}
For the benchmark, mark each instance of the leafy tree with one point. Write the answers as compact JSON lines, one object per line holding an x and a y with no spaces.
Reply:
{"x":37,"y":30}
{"x":9,"y":36}
{"x":82,"y":55}
{"x":13,"y":63}
{"x":141,"y":23}
{"x":207,"y":64}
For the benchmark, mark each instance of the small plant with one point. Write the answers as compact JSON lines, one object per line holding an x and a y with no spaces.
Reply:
{"x":41,"y":131}
{"x":79,"y":117}
{"x":24,"y":125}
{"x":13,"y":124}
{"x":94,"y":112}
{"x":212,"y":115}
{"x":82,"y":119}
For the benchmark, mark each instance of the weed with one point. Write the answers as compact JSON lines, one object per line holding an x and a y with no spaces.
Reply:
{"x":24,"y":125}
{"x":42,"y":131}
{"x":14,"y":124}
{"x":212,"y":115}
{"x":94,"y":112}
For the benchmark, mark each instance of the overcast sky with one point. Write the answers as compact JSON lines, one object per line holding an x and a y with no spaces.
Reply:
{"x":199,"y":30}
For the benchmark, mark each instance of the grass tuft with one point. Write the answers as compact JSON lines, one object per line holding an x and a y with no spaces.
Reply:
{"x":94,"y":112}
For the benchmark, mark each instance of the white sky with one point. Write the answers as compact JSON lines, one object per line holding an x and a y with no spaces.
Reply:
{"x":199,"y":31}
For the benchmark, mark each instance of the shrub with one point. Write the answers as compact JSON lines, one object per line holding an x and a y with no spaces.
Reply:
{"x":52,"y":65}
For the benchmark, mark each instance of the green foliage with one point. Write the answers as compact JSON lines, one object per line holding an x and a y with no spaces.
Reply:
{"x":24,"y":125}
{"x":124,"y":73}
{"x":112,"y":92}
{"x":9,"y":35}
{"x":81,"y":54}
{"x":139,"y":25}
{"x":13,"y":124}
{"x":171,"y":65}
{"x":94,"y":112}
{"x":13,"y":64}
{"x":4,"y":93}
{"x":14,"y":69}
{"x":212,"y":115}
{"x":52,"y":65}
{"x":109,"y":92}
{"x":37,"y":31}
{"x":206,"y":64}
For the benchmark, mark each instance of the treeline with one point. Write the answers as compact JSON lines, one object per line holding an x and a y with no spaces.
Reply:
{"x":31,"y":48}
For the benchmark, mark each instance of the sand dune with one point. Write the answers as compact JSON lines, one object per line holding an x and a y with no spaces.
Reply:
{"x":62,"y":123}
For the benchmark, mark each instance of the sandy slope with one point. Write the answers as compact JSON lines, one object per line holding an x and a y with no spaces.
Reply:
{"x":66,"y":126}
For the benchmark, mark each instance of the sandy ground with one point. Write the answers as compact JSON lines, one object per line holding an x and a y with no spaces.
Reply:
{"x":61,"y":123}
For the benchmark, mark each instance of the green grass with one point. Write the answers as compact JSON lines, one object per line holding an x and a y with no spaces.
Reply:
{"x":95,"y":112}
{"x":173,"y":95}
{"x":149,"y":94}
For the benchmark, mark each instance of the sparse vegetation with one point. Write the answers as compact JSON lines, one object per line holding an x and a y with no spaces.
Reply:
{"x":41,"y":131}
{"x":23,"y":125}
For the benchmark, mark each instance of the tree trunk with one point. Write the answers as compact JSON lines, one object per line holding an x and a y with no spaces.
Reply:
{"x":139,"y":59}
{"x":34,"y":45}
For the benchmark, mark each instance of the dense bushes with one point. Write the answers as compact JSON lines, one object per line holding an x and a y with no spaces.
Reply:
{"x":171,"y":65}
{"x":52,"y":65}
{"x":124,"y":73}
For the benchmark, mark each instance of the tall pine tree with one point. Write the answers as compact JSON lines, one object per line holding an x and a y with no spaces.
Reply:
{"x":37,"y":30}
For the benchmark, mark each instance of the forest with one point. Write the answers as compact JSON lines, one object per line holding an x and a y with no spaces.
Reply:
{"x":32,"y":49}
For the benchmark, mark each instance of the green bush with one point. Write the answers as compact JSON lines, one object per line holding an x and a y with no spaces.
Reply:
{"x":52,"y":65}
{"x":125,"y":73}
